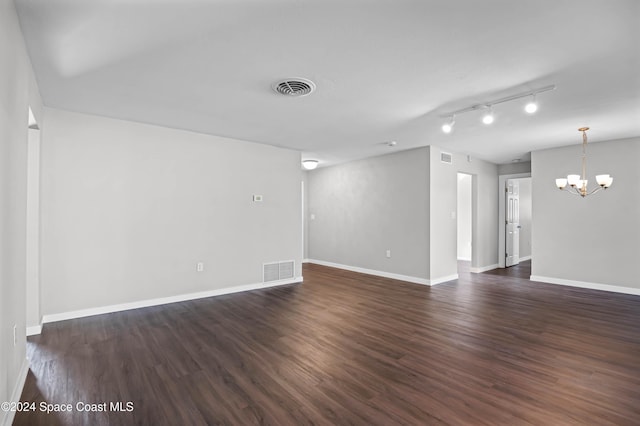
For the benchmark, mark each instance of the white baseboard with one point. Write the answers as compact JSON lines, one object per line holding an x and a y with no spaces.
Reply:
{"x":384,"y":274}
{"x":465,"y":259}
{"x":444,"y":279}
{"x":163,"y":300}
{"x":525,"y":258}
{"x":34,"y":330}
{"x":15,"y":395}
{"x":484,"y":268}
{"x":305,"y":261}
{"x":584,"y":284}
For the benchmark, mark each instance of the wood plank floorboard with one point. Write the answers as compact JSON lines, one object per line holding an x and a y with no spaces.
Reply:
{"x":351,"y":349}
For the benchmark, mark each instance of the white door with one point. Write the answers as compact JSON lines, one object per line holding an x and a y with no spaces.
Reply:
{"x":512,"y":220}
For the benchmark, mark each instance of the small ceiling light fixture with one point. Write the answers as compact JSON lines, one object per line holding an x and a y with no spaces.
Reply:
{"x":448,"y":126}
{"x":579,"y":183}
{"x":532,"y":106}
{"x":391,"y":144}
{"x":488,"y":117}
{"x":310,"y":164}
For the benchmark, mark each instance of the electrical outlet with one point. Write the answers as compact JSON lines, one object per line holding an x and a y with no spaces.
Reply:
{"x":199,"y":267}
{"x":257,"y":198}
{"x":15,"y":335}
{"x":388,"y":254}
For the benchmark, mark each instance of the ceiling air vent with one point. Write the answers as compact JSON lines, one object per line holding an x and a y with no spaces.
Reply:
{"x":445,"y":157}
{"x":294,"y":87}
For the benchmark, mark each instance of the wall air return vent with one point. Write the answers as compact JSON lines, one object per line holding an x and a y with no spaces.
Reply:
{"x":276,"y":271}
{"x":294,"y":87}
{"x":445,"y":157}
{"x":286,"y":270}
{"x":270,"y":272}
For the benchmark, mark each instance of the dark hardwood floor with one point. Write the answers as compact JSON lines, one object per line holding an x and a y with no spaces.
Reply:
{"x":347,"y":348}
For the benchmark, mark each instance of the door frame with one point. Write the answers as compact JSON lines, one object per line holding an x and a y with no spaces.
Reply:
{"x":33,"y":309}
{"x":502,"y":181}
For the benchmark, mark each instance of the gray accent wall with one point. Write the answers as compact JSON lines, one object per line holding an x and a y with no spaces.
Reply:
{"x":18,"y":91}
{"x":514,"y":168}
{"x":366,"y":207}
{"x":405,"y":202}
{"x":595,"y":239}
{"x":525,"y":216}
{"x":129,"y":209}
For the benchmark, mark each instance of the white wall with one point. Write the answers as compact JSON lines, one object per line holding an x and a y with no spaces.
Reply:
{"x":366,"y":207}
{"x":18,"y":90}
{"x":465,"y":216}
{"x":595,"y":239}
{"x":129,"y":209}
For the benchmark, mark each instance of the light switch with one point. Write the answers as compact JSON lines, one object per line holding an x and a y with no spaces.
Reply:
{"x":257,"y":198}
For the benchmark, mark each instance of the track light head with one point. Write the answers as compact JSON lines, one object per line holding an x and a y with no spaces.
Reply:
{"x":448,"y":126}
{"x":532,"y":106}
{"x":488,"y":117}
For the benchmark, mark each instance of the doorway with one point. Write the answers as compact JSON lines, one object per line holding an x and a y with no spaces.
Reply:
{"x":525,"y":203}
{"x":517,"y":221}
{"x":524,"y":188}
{"x":464,"y":222}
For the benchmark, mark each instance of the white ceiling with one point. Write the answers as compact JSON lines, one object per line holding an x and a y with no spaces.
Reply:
{"x":384,"y":69}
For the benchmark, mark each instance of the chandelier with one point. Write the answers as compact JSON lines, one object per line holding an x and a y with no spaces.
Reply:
{"x":577,"y":183}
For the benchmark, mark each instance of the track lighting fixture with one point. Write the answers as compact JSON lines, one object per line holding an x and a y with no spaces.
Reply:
{"x":489,"y":117}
